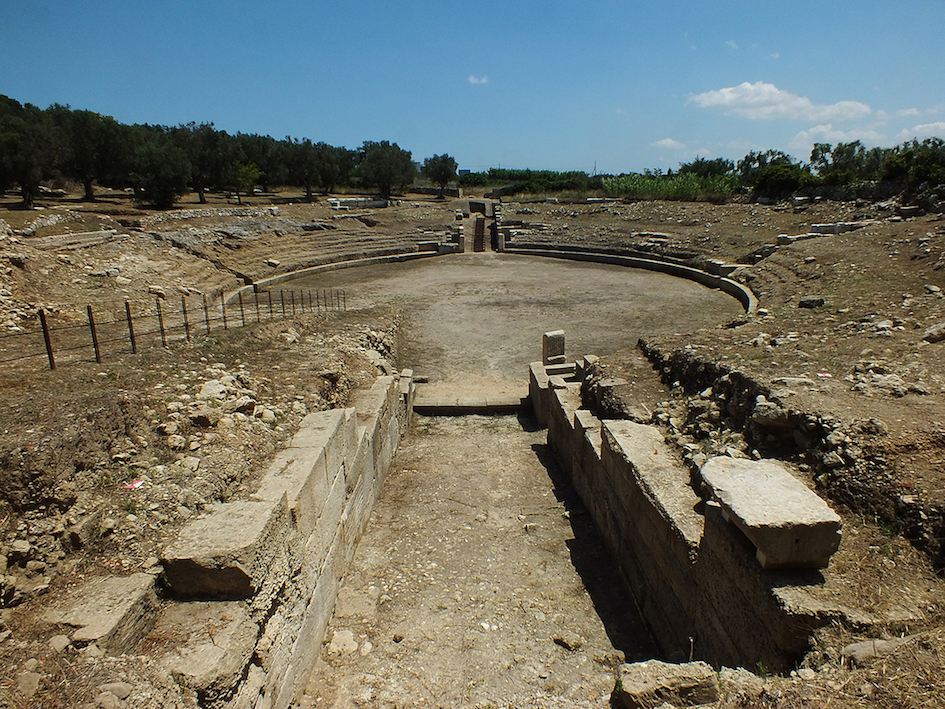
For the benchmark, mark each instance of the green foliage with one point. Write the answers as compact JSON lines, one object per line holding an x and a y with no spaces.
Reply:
{"x":751,"y":167}
{"x":210,"y":152}
{"x":30,"y":147}
{"x":93,"y":146}
{"x":781,"y":181}
{"x":917,"y":166}
{"x":847,"y":163}
{"x":441,"y":169}
{"x":532,"y":181}
{"x":161,"y":172}
{"x":385,"y":165}
{"x":700,"y":167}
{"x":680,"y":186}
{"x":245,"y":177}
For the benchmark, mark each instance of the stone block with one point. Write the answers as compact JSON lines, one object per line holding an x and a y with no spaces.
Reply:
{"x":230,"y":554}
{"x":113,"y":612}
{"x":790,"y":526}
{"x":538,"y":392}
{"x":215,"y":642}
{"x":552,"y":347}
{"x":333,"y":431}
{"x":654,"y":683}
{"x":662,"y":478}
{"x":300,"y":475}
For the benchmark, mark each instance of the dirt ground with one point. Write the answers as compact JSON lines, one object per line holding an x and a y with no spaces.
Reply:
{"x":480,"y":581}
{"x":72,"y":439}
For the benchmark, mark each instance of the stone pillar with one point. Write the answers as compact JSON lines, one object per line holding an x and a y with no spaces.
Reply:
{"x":552,"y":347}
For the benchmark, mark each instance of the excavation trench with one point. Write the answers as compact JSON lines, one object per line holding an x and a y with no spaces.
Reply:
{"x":480,"y":576}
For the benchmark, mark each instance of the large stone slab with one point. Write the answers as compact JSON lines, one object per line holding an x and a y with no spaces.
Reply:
{"x":660,"y":474}
{"x":214,"y":643}
{"x":113,"y":612}
{"x":231,"y":553}
{"x":790,"y":526}
{"x":642,"y":685}
{"x":305,"y":470}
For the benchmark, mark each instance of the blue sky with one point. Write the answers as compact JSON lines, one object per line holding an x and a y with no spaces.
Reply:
{"x":620,"y":86}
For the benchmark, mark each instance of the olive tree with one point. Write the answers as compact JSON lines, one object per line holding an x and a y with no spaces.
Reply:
{"x":441,"y":170}
{"x":385,"y":165}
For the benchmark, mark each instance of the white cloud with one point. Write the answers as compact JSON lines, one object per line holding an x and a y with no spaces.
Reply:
{"x":669,"y":143}
{"x":731,"y":43}
{"x":886,"y":115}
{"x":765,"y":101}
{"x":774,"y":55}
{"x":826,"y":133}
{"x":926,"y":130}
{"x":473,"y":79}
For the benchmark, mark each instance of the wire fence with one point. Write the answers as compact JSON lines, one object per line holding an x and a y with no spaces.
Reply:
{"x":119,"y":330}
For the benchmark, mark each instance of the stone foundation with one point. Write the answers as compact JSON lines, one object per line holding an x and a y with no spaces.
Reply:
{"x":692,"y":573}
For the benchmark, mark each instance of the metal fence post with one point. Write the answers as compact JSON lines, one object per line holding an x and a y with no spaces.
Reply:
{"x":131,"y":328}
{"x":183,"y":307}
{"x":161,"y":322}
{"x":98,"y":354}
{"x":49,"y":351}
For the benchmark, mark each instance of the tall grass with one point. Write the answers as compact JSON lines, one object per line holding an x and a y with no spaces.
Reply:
{"x":683,"y":187}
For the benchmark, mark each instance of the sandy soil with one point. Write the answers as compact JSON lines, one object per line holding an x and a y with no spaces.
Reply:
{"x":480,"y":580}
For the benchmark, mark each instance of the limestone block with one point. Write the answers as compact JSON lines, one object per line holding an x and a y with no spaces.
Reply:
{"x":333,"y":431}
{"x":326,"y":527}
{"x":113,"y":612}
{"x":300,"y":475}
{"x":661,"y":476}
{"x":230,"y":554}
{"x":654,"y":683}
{"x":552,"y":347}
{"x":215,"y":644}
{"x":790,"y":526}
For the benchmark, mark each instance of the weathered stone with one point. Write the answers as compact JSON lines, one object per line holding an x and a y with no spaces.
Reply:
{"x":218,"y":642}
{"x":230,"y":553}
{"x":113,"y":612}
{"x":120,"y":689}
{"x":643,"y":685}
{"x":87,"y":529}
{"x":27,"y":683}
{"x":862,"y":652}
{"x":811,"y":301}
{"x":769,"y":414}
{"x":552,"y":347}
{"x":204,"y":417}
{"x":107,"y":700}
{"x":936,"y":333}
{"x":213,"y":389}
{"x":790,"y":526}
{"x":59,"y":642}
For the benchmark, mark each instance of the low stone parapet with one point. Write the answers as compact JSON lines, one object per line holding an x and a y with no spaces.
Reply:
{"x":692,"y":574}
{"x":270,"y":566}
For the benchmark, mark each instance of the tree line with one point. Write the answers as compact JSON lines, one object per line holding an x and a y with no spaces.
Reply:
{"x":162,"y":163}
{"x":915,"y":169}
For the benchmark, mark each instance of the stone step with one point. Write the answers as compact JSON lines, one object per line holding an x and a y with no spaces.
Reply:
{"x":467,"y":405}
{"x":790,"y":526}
{"x":232,"y":553}
{"x":113,"y":612}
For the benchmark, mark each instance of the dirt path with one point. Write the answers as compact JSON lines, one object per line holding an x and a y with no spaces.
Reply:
{"x":479,"y":582}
